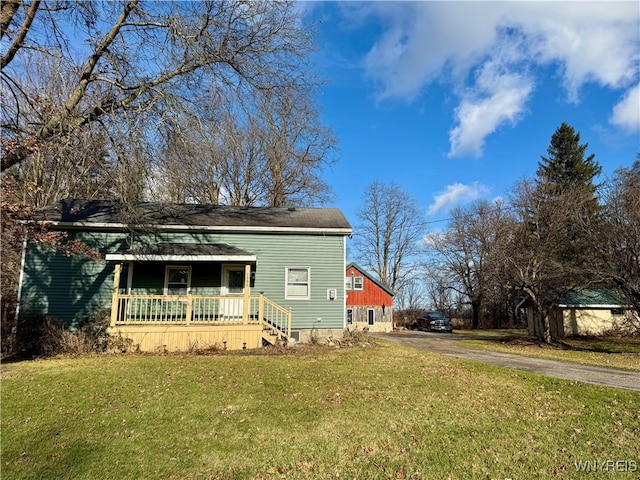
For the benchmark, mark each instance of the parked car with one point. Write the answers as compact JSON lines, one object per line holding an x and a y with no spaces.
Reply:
{"x":433,"y":321}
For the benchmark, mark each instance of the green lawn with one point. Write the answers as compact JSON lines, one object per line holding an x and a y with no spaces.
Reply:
{"x":614,"y":352}
{"x":357,"y":413}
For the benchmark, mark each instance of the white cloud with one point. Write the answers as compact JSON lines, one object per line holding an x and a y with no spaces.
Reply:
{"x":497,"y":98}
{"x":455,"y":195}
{"x":431,"y":238}
{"x":589,"y":41}
{"x":423,"y":42}
{"x":626,"y":114}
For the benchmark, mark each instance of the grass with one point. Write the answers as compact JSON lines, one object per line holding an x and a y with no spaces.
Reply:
{"x":382,"y":411}
{"x":614,"y":352}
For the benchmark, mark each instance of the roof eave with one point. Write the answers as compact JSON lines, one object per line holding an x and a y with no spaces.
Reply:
{"x":141,"y":257}
{"x":199,"y":228}
{"x":374,"y":280}
{"x":594,"y":306}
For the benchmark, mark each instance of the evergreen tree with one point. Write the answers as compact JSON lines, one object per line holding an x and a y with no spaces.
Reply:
{"x":566,"y":167}
{"x":554,"y":248}
{"x":566,"y":181}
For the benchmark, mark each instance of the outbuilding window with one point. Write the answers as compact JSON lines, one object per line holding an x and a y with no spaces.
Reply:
{"x":354,"y":283}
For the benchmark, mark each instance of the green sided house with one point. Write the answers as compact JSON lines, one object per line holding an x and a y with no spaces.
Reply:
{"x":174,"y":277}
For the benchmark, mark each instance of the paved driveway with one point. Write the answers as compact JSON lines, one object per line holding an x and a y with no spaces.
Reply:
{"x":448,"y":344}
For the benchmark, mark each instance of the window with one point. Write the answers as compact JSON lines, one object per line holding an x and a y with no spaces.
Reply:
{"x":371,"y":316}
{"x":233,"y":279}
{"x":236,"y":281}
{"x":349,"y":316}
{"x":177,"y":280}
{"x":354,"y":283}
{"x":298,"y":285}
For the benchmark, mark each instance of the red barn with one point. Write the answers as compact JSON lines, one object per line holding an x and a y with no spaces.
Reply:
{"x":369,"y":302}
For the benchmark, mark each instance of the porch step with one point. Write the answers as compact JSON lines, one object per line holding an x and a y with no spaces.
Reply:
{"x":272,"y":337}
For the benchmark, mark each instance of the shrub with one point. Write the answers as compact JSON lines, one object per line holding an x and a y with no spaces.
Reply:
{"x":37,"y":336}
{"x":44,"y":336}
{"x":354,"y":336}
{"x":405,"y":318}
{"x":94,"y":330}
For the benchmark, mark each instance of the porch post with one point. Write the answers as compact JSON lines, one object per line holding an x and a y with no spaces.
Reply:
{"x":189,"y":308}
{"x":247,"y":293}
{"x":115,"y":303}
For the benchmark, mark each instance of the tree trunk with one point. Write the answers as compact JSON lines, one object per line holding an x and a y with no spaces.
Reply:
{"x":475,"y":314}
{"x":541,"y":325}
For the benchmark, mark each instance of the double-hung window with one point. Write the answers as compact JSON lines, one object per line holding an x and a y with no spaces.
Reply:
{"x":297,"y":283}
{"x":177,"y":280}
{"x":354,"y":283}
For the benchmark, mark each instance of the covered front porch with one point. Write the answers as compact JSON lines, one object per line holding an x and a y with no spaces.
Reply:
{"x":186,"y":296}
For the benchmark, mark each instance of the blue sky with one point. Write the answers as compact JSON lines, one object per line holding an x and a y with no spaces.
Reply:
{"x":456,"y":101}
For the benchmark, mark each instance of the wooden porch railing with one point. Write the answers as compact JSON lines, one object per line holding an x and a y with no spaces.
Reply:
{"x":200,"y":310}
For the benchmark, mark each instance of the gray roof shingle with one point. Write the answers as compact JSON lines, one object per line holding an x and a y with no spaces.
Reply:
{"x":74,"y":212}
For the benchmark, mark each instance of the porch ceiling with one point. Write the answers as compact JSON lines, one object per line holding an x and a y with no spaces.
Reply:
{"x":184,"y":252}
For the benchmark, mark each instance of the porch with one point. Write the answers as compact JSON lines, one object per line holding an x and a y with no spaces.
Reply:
{"x":204,"y":300}
{"x":183,"y":323}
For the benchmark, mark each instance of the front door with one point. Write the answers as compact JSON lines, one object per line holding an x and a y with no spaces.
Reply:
{"x":233,"y":288}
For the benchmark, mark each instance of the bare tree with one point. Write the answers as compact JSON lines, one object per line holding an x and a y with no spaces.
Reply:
{"x":438,"y":287}
{"x":187,"y":169}
{"x":137,"y":55}
{"x":296,"y":147}
{"x":412,"y":295}
{"x":77,"y":168}
{"x":256,"y":150}
{"x":89,"y":90}
{"x":560,"y":223}
{"x":620,"y":246}
{"x":536,"y":268}
{"x":469,"y":251}
{"x":391,"y":226}
{"x":242,"y":166}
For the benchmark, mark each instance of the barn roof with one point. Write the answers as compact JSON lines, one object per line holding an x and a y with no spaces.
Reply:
{"x":590,"y":298}
{"x":370,"y":277}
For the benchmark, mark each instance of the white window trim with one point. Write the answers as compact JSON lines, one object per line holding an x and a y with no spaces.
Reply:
{"x":361,"y":283}
{"x":286,"y":283}
{"x":349,"y":314}
{"x":166,"y":278}
{"x":348,"y":283}
{"x":226,"y":268}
